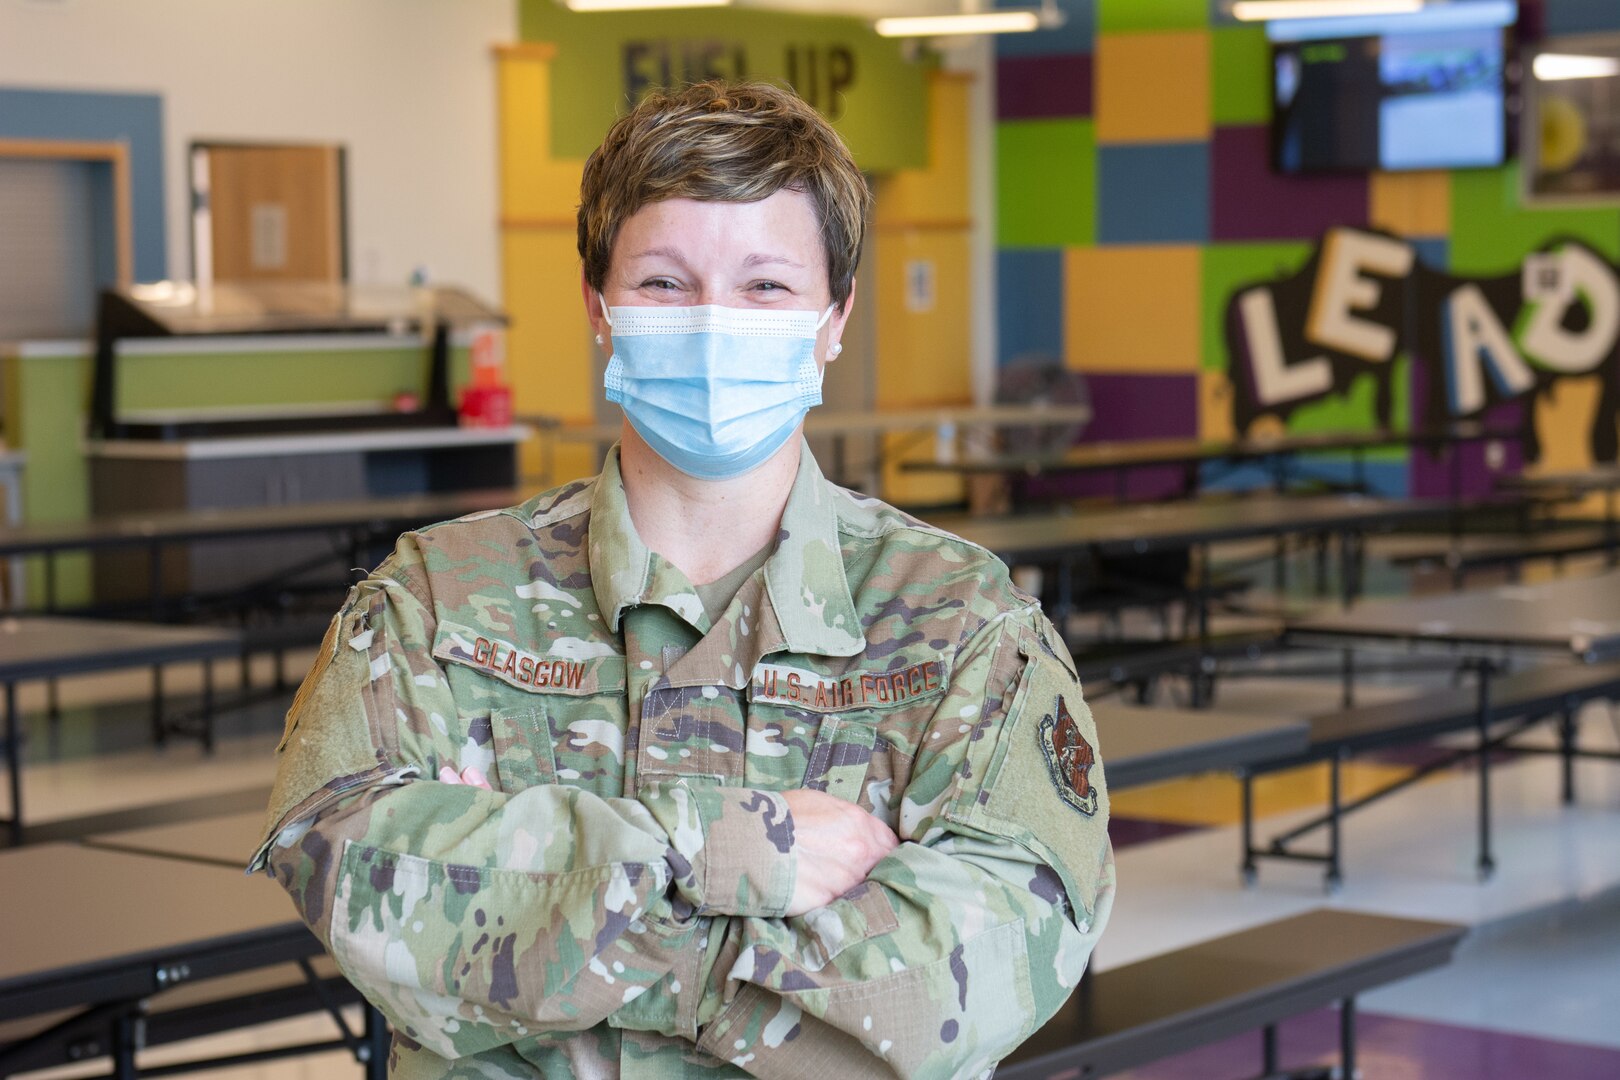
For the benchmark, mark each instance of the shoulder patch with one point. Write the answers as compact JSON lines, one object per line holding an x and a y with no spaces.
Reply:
{"x":1069,"y":758}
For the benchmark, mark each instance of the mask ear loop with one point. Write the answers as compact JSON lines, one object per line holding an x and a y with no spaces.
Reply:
{"x":601,"y":302}
{"x":835,"y":348}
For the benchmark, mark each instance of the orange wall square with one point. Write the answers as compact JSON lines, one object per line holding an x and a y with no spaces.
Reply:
{"x":1153,"y":87}
{"x":1131,"y":309}
{"x":1411,"y":204}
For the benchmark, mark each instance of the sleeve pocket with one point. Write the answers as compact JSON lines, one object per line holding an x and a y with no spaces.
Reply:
{"x":863,"y":913}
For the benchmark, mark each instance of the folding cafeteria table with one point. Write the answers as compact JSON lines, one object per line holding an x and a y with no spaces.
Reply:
{"x":92,"y":936}
{"x":1568,"y":619}
{"x":37,"y":647}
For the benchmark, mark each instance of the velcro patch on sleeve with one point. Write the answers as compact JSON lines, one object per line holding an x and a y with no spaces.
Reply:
{"x":1045,"y":786}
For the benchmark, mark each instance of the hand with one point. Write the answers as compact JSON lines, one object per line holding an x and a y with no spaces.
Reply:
{"x":837,"y":844}
{"x":471,"y":776}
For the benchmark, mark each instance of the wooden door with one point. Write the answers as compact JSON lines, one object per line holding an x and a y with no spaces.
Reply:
{"x":270,"y":213}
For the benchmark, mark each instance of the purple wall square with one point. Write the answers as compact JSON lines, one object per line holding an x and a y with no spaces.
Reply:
{"x":1251,"y":202}
{"x":1132,"y":407}
{"x":1037,"y":87}
{"x":1464,"y":470}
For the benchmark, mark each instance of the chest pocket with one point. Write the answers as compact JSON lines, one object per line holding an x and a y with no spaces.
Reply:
{"x":523,"y":746}
{"x":535,"y":718}
{"x":695,"y":732}
{"x":842,"y":756}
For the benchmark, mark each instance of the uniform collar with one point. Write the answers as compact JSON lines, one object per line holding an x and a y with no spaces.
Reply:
{"x":805,"y":577}
{"x":626,"y":572}
{"x":804,"y":582}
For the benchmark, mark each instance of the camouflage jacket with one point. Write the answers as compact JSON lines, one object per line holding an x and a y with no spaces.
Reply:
{"x":613,"y":905}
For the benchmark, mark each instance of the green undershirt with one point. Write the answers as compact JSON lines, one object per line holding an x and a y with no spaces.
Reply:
{"x":717,"y":595}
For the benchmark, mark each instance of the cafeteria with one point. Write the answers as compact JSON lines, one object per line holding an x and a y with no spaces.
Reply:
{"x":623,"y":539}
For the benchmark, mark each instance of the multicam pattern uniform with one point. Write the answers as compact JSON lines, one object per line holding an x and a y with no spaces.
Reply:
{"x":595,"y":915}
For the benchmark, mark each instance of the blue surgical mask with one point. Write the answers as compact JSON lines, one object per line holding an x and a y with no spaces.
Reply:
{"x":714,"y":390}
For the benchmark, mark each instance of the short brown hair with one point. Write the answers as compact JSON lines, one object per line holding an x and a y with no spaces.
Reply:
{"x":723,"y":142}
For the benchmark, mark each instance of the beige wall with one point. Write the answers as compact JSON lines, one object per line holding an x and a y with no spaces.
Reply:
{"x":407,"y":85}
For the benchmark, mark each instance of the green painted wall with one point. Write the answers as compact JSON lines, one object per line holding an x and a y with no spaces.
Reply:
{"x":860,"y":81}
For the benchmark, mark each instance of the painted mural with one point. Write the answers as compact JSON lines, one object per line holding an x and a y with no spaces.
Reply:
{"x":1109,"y":175}
{"x":1364,"y":299}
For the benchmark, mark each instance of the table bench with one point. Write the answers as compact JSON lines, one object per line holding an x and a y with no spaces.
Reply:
{"x":1526,"y":697}
{"x":1146,"y":745}
{"x":353,"y":524}
{"x":1140,"y":664}
{"x":97,"y":945}
{"x":1508,"y":552}
{"x":37,"y":647}
{"x":1133,"y":1015}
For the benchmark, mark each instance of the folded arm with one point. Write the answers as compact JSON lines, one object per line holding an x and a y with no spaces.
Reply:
{"x":973,"y":931}
{"x":473,"y":917}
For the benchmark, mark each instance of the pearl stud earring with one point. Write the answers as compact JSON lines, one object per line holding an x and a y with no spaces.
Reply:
{"x":599,"y":340}
{"x":834,"y":349}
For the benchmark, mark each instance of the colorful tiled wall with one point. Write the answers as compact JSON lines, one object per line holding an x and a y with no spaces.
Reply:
{"x":1135,"y":193}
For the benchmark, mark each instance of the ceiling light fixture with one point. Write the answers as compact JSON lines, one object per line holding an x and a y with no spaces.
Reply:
{"x":978,"y":22}
{"x":1265,"y":10}
{"x":641,"y":5}
{"x":1554,"y":67}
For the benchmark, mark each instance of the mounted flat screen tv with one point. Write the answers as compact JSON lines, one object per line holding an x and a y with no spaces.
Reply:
{"x":1429,"y":90}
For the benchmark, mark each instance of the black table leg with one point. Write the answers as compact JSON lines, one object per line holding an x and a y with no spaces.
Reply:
{"x":126,"y":1040}
{"x":1567,"y":736}
{"x":376,"y":1045}
{"x":1202,"y":601}
{"x":1249,"y":870}
{"x":1335,"y":872}
{"x":208,"y":706}
{"x":1347,"y":1038}
{"x":159,"y":733}
{"x":1065,"y":597}
{"x":1348,"y":568}
{"x":14,"y":763}
{"x":1486,"y":864}
{"x":155,"y":571}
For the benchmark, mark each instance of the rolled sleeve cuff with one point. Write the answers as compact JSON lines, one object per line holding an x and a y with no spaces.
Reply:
{"x":731,"y":848}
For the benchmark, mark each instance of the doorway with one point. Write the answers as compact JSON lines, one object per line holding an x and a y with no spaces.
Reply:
{"x":264,"y":213}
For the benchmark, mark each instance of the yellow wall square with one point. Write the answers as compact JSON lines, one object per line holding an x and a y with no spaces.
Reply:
{"x":548,"y":346}
{"x":923,"y":354}
{"x":937,"y":194}
{"x":1411,"y":204}
{"x":535,"y":187}
{"x":1153,"y":87}
{"x":1131,"y":309}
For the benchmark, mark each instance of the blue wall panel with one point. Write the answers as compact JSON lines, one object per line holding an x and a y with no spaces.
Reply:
{"x":1074,"y":36}
{"x":1157,"y":193}
{"x":1029,"y":286}
{"x":136,"y":119}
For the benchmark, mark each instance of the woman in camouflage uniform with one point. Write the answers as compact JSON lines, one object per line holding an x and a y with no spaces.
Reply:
{"x":703,"y":766}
